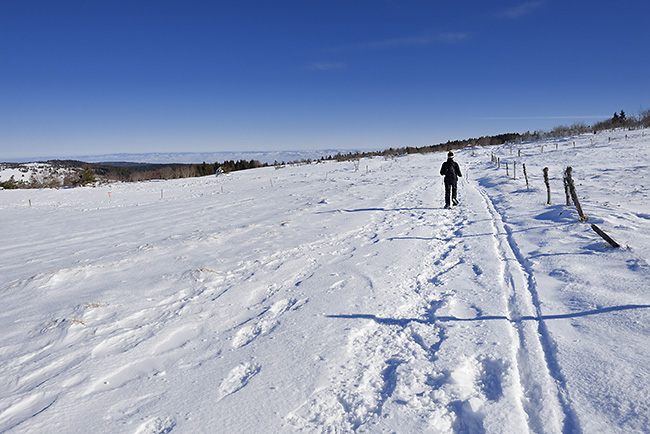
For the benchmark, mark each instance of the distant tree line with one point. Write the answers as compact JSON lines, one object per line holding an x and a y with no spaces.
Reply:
{"x":79,"y":173}
{"x":231,"y":166}
{"x":176,"y":171}
{"x":621,"y":120}
{"x":450,"y":145}
{"x":618,"y":120}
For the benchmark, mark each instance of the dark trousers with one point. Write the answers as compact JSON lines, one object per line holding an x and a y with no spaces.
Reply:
{"x":450,"y":192}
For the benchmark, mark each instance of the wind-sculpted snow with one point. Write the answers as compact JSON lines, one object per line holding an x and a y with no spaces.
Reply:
{"x":326,"y":299}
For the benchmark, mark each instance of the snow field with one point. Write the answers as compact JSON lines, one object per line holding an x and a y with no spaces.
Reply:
{"x":324,"y":300}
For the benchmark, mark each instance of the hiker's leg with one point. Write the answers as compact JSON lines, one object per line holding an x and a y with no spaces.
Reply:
{"x":447,"y":194}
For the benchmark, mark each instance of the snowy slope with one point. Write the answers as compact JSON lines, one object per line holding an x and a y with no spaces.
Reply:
{"x":322,"y":299}
{"x":33,"y":172}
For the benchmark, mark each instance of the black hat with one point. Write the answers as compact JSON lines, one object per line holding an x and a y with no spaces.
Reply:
{"x":450,"y":154}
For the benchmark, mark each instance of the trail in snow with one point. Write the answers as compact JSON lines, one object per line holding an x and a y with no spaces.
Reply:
{"x":460,"y":394}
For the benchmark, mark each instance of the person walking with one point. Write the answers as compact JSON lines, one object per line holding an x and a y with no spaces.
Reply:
{"x":451,"y":171}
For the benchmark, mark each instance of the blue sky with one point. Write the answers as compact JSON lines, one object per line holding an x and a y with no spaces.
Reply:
{"x":94,"y":77}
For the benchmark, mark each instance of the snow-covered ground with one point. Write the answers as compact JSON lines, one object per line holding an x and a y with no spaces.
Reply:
{"x":29,"y":172}
{"x":322,"y":299}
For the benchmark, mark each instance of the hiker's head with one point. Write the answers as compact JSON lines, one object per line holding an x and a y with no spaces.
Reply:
{"x":450,"y":155}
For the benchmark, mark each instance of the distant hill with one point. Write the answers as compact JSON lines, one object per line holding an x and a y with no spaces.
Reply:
{"x":84,"y":170}
{"x":268,"y":157}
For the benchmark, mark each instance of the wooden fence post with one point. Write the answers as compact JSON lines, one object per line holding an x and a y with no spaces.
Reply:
{"x":566,"y":191}
{"x":525,"y":175}
{"x":574,"y":195}
{"x":507,"y":172}
{"x":605,"y":236}
{"x":514,"y":170}
{"x":548,"y":186}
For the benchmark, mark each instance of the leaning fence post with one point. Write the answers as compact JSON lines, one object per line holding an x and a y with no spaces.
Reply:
{"x":605,"y":236}
{"x":548,"y":186}
{"x":574,"y":195}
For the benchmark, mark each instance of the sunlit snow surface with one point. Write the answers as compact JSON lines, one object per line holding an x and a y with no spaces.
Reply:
{"x":325,"y":299}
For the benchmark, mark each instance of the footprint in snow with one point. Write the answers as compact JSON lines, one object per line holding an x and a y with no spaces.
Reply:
{"x":266,"y":323}
{"x":157,"y":426}
{"x":238,"y":378}
{"x":491,"y":376}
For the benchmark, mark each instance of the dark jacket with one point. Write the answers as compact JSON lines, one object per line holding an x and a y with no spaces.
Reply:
{"x":451,"y":171}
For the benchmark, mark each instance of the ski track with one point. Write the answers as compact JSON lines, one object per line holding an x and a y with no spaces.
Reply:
{"x":523,"y":301}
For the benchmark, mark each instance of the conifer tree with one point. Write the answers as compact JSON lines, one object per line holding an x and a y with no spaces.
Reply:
{"x":86,"y":177}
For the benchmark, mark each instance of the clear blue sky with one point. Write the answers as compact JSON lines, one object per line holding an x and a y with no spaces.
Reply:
{"x":93,"y":77}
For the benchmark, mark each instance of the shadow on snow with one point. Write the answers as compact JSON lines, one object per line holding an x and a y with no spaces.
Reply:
{"x":433,"y":319}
